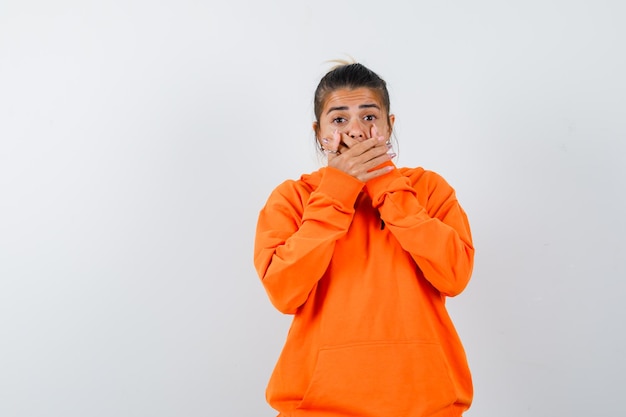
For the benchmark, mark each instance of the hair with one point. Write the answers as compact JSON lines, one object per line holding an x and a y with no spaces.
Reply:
{"x":349,"y":76}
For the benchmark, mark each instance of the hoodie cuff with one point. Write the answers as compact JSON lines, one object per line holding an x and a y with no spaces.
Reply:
{"x":340,"y":186}
{"x":377,"y":187}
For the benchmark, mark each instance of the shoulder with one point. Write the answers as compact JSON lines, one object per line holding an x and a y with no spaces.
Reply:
{"x":423,"y":178}
{"x":295,"y":191}
{"x":432,"y":190}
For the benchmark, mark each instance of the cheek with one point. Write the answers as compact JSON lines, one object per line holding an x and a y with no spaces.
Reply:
{"x":326,"y":130}
{"x":383,"y":128}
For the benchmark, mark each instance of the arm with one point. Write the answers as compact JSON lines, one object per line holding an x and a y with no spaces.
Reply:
{"x":430,"y":224}
{"x":295,"y":238}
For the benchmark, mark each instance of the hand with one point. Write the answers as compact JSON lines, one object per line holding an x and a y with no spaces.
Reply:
{"x":359,"y":159}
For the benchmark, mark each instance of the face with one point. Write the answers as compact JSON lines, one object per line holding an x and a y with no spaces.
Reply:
{"x":353,"y":113}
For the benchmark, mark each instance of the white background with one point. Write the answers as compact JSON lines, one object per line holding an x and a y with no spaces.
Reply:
{"x":139,"y":139}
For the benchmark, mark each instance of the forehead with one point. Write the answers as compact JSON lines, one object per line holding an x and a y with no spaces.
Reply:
{"x":352,"y":98}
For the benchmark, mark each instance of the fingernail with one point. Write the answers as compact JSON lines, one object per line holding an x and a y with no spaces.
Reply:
{"x":325,"y":140}
{"x":392,"y":155}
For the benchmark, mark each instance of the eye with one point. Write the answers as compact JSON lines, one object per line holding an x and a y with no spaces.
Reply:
{"x":370,"y":118}
{"x":339,"y":120}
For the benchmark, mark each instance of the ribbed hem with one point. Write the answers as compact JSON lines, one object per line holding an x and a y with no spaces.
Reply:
{"x":455,"y":410}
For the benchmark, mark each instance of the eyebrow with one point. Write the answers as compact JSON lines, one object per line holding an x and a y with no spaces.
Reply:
{"x":362,"y":106}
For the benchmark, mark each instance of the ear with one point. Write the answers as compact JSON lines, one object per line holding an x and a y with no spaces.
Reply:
{"x":316,"y":130}
{"x":392,"y":120}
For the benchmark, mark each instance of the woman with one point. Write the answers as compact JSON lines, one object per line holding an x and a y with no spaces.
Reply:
{"x":363,"y":254}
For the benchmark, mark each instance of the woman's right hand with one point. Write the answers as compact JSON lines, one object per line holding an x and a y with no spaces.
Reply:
{"x":359,"y":158}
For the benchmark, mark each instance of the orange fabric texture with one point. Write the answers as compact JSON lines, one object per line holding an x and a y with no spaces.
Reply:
{"x":365,"y":269}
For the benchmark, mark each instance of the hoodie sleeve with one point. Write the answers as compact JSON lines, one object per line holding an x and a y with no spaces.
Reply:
{"x":296,"y":235}
{"x":428,"y":222}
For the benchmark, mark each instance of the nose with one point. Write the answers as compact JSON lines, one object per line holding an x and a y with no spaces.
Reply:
{"x":356,"y":130}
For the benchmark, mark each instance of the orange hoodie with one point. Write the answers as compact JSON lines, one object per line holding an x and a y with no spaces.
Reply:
{"x":365,"y":269}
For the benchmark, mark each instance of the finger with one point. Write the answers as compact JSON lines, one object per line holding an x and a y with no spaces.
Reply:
{"x":334,"y":146}
{"x":378,"y":160}
{"x":343,"y":148}
{"x":331,"y":146}
{"x":374,"y":132}
{"x":362,"y":148}
{"x":342,"y":143}
{"x":376,"y":157}
{"x":376,"y":173}
{"x":336,"y":140}
{"x":374,"y":169}
{"x":344,"y":140}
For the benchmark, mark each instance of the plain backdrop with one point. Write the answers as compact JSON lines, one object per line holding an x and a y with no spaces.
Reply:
{"x":139,"y":139}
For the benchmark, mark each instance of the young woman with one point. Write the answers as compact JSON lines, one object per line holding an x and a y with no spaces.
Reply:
{"x":363,"y":254}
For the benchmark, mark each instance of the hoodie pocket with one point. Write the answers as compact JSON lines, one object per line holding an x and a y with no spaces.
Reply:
{"x":380,"y":379}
